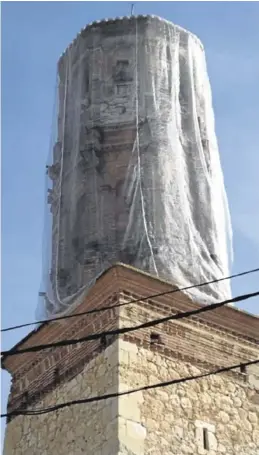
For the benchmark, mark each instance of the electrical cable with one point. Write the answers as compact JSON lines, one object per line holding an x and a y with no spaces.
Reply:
{"x":118,"y":305}
{"x":128,"y":392}
{"x":152,"y":323}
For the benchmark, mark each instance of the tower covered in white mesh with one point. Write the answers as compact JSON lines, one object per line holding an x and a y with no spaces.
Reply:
{"x":135,"y":174}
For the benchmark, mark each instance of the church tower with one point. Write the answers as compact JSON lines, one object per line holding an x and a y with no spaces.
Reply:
{"x":137,"y":210}
{"x":135,"y":174}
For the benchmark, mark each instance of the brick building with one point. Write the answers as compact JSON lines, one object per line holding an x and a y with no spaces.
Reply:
{"x":215,"y":415}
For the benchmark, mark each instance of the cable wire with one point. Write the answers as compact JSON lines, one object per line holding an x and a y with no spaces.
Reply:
{"x":152,"y":323}
{"x":128,"y":392}
{"x":118,"y":305}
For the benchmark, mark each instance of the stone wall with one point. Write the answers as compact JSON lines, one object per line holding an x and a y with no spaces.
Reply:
{"x":216,"y":415}
{"x":220,"y":412}
{"x":80,"y":429}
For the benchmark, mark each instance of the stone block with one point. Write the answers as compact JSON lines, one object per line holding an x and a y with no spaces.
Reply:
{"x":129,"y":408}
{"x":201,"y":424}
{"x":135,"y":430}
{"x":254,"y":381}
{"x":123,"y":357}
{"x":128,"y":347}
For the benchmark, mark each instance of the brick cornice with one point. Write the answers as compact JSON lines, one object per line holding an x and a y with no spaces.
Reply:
{"x":136,"y":284}
{"x":227,"y":318}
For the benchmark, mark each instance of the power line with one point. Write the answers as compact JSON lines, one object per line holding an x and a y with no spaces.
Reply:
{"x":128,"y":392}
{"x":152,"y":323}
{"x":118,"y":305}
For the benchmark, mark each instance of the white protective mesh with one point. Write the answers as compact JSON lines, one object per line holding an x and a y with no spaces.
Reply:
{"x":136,"y":175}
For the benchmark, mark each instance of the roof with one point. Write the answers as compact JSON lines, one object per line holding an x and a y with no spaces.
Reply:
{"x":247,"y":323}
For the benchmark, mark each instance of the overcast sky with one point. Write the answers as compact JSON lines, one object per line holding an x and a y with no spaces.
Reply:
{"x":33,"y":36}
